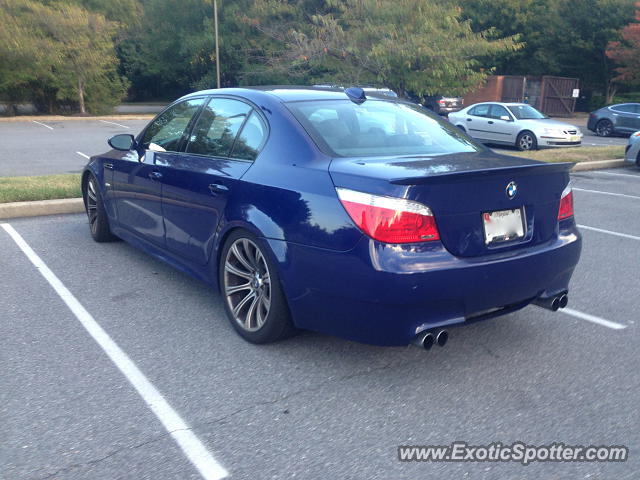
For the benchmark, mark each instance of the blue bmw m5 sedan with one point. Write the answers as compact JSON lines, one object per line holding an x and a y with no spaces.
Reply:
{"x":337,"y":211}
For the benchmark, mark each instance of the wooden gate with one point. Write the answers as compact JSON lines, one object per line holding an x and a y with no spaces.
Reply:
{"x":513,"y":88}
{"x":556,"y":96}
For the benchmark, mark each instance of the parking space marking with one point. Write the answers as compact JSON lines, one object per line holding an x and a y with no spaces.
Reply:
{"x":188,"y":442}
{"x":593,"y":319}
{"x":602,"y":230}
{"x":83,"y":155}
{"x":44,"y":125}
{"x":606,"y":193}
{"x":114,"y":123}
{"x":616,"y":174}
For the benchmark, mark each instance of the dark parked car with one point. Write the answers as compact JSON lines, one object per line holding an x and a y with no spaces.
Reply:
{"x":620,"y":119}
{"x":367,"y":218}
{"x":443,"y":105}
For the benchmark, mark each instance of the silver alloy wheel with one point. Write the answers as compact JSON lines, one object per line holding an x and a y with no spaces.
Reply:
{"x":92,"y":206}
{"x":604,"y":128}
{"x":247,"y":284}
{"x":526,"y":142}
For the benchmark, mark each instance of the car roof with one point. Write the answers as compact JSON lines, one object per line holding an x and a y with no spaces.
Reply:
{"x":504,"y":104}
{"x":291,"y":93}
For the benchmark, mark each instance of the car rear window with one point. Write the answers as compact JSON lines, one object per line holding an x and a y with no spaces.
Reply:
{"x":378,"y":128}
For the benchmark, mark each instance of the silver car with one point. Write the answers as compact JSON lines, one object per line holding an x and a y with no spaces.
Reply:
{"x":516,"y":124}
{"x":632,"y":151}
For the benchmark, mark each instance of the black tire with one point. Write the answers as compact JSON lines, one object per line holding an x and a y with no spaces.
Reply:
{"x":94,"y":206}
{"x":638,"y":160}
{"x":245,"y":264}
{"x":604,"y":128}
{"x":526,"y":141}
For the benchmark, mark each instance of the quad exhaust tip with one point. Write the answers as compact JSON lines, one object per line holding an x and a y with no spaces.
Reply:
{"x":428,"y":339}
{"x":553,"y":303}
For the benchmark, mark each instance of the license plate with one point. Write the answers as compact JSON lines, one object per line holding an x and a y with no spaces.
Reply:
{"x":574,"y":138}
{"x":503,"y":225}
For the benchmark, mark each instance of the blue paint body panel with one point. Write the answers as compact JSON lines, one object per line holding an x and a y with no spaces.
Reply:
{"x":336,"y":279}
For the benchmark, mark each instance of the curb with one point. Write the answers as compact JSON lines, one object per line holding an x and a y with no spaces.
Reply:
{"x":598,"y":164}
{"x":41,"y":207}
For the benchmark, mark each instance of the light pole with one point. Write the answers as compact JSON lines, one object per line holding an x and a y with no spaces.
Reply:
{"x":215,"y":27}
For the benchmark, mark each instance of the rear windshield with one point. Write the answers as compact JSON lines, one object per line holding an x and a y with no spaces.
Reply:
{"x":376,"y":128}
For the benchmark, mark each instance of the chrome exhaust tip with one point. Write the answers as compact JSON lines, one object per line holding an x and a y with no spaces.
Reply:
{"x":564,"y":300}
{"x":442,"y":337}
{"x":424,"y":340}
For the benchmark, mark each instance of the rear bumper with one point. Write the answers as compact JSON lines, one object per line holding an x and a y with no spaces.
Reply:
{"x":385,"y":294}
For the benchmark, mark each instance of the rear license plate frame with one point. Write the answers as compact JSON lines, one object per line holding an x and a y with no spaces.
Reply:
{"x":500,"y":219}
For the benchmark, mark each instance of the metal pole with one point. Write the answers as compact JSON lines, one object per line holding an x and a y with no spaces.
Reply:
{"x":215,"y":24}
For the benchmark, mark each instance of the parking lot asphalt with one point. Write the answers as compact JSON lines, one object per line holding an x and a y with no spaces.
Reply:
{"x":314,"y":406}
{"x":61,"y":146}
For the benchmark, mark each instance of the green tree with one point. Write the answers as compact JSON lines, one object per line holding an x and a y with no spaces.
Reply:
{"x":561,"y":37}
{"x":421,"y":46}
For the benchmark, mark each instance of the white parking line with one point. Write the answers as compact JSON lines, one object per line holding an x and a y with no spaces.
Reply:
{"x":114,"y":123}
{"x":606,"y":193}
{"x":592,"y":318}
{"x":615,"y":174}
{"x":83,"y":155}
{"x":192,"y":447}
{"x":39,"y":123}
{"x":602,"y":230}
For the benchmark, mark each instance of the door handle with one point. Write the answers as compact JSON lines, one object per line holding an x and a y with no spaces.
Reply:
{"x":109,"y":166}
{"x":469,"y":120}
{"x":216,"y":188}
{"x":155,"y":175}
{"x":490,"y":122}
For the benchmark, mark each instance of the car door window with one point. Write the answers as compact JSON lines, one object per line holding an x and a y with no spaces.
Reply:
{"x":626,"y":108}
{"x":217,"y":127}
{"x":480,"y":111}
{"x":498,"y":111}
{"x":250,"y":139}
{"x":165,"y":134}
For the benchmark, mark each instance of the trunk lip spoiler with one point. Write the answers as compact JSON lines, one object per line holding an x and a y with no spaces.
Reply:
{"x":534,"y":168}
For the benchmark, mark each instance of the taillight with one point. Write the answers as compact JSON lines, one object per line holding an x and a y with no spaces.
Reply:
{"x":442,"y":102}
{"x":566,"y":204}
{"x":389,"y":220}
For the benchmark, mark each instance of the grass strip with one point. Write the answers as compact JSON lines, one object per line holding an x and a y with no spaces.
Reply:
{"x":41,"y":187}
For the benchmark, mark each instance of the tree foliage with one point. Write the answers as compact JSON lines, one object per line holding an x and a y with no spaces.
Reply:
{"x":59,"y":53}
{"x":407,"y":45}
{"x":626,"y":52}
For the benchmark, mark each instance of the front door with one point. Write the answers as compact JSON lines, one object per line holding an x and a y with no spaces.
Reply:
{"x":198,"y":184}
{"x":137,"y":179}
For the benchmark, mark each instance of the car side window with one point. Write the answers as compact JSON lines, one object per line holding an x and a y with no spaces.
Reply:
{"x":251,"y":138}
{"x":480,"y":111}
{"x":217,"y":127}
{"x":166,"y":132}
{"x":626,"y":108}
{"x":498,"y":111}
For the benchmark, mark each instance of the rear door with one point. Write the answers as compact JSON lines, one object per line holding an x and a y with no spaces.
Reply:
{"x":626,"y":117}
{"x":197,"y":184}
{"x":137,"y":181}
{"x":476,"y":122}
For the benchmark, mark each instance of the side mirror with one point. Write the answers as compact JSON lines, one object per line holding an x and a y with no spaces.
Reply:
{"x":123,"y":142}
{"x":506,"y":118}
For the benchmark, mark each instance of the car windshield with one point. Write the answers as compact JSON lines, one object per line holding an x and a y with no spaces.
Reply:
{"x":378,"y":128}
{"x":526,"y":112}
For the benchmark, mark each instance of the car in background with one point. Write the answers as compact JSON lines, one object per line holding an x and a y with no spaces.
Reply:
{"x":443,"y":105}
{"x":517,"y":124}
{"x":327,"y":210}
{"x":619,"y":119}
{"x":632,"y":150}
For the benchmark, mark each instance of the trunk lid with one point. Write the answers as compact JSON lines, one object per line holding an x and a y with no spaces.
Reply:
{"x":460,"y":188}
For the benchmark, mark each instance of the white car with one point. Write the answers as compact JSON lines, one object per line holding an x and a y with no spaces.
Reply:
{"x":515,"y":124}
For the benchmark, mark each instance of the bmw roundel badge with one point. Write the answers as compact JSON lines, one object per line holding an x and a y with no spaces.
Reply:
{"x":512,"y":189}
